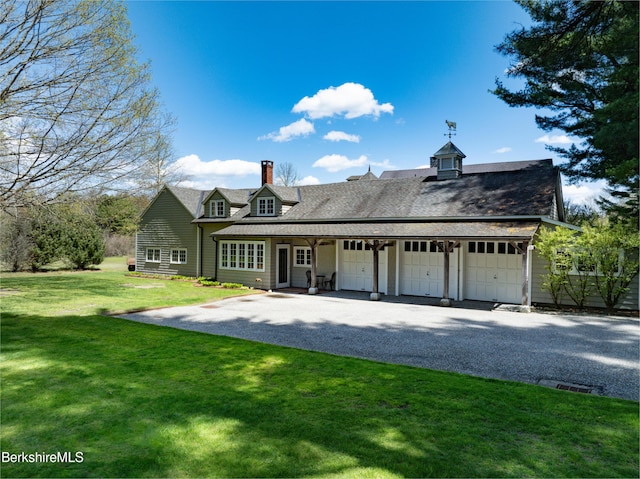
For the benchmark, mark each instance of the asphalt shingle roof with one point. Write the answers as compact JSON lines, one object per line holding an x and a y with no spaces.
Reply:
{"x":190,"y":198}
{"x":525,"y":188}
{"x":388,"y":230}
{"x":237,"y":196}
{"x":528,"y":191}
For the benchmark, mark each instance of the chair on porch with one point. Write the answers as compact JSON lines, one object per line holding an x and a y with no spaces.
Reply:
{"x":330,"y":282}
{"x":308,"y":278}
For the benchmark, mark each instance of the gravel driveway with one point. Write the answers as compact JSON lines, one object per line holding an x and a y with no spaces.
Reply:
{"x":592,"y":352}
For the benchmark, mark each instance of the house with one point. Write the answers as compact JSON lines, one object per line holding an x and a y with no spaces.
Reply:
{"x":451,"y":231}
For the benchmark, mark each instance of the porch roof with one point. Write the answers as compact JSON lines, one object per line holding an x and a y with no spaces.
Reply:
{"x":476,"y":230}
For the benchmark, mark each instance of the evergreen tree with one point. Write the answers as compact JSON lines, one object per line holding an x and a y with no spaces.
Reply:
{"x":579,"y":59}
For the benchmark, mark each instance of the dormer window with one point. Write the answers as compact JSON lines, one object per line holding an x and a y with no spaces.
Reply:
{"x":447,"y":163}
{"x":266,"y":206}
{"x":217,"y":209}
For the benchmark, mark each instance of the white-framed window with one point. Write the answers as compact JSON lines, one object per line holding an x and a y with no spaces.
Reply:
{"x":153,"y":255}
{"x":179,"y":256}
{"x":242,"y":255}
{"x":216,"y":208}
{"x":490,"y":247}
{"x":447,"y":164}
{"x":302,"y":256}
{"x":266,"y":206}
{"x":582,"y":266}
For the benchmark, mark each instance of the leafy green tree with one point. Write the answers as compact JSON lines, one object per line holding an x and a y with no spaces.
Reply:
{"x":46,"y":244}
{"x":82,"y":242}
{"x":550,"y":242}
{"x":562,"y":249}
{"x":77,"y":110}
{"x":612,"y":255}
{"x":580,"y":278}
{"x":579,"y":60}
{"x":118,"y":214}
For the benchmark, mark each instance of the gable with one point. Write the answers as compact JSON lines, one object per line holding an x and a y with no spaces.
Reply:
{"x":280,"y":200}
{"x":166,"y":207}
{"x":187,"y":199}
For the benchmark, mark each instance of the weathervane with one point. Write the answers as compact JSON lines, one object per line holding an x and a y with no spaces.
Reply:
{"x":452,"y":128}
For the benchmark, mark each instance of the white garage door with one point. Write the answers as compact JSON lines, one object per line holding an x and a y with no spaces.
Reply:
{"x":357,"y":267}
{"x":493,"y":272}
{"x":421,"y":269}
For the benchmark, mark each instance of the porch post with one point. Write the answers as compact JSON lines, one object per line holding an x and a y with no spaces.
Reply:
{"x":524,"y":251}
{"x":525,"y":273}
{"x":445,"y":301}
{"x":313,"y":244}
{"x":376,"y":246}
{"x":449,"y":246}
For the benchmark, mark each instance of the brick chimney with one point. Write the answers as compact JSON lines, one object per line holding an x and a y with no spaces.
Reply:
{"x":267,"y":172}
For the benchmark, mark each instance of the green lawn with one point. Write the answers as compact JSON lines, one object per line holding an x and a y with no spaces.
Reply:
{"x":99,"y":291}
{"x":145,"y":401}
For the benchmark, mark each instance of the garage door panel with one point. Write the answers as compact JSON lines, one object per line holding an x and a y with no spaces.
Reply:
{"x":356,"y":267}
{"x":421,"y":269}
{"x":493,"y":272}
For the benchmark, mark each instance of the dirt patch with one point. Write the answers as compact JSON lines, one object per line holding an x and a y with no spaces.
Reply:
{"x":143,"y":286}
{"x":8,"y":291}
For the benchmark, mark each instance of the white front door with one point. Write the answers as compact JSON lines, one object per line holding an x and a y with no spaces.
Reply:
{"x":493,"y":272}
{"x":283,"y":271}
{"x":357,"y":267}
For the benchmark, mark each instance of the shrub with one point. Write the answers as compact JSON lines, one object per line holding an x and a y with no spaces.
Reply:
{"x":82,"y":243}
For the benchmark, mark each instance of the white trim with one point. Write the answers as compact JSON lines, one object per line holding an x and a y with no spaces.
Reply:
{"x":179,"y":260}
{"x":287,"y":248}
{"x":242,"y":255}
{"x":530,"y":249}
{"x":266,"y":200}
{"x":307,"y":257}
{"x":153,"y":256}
{"x":213,"y":208}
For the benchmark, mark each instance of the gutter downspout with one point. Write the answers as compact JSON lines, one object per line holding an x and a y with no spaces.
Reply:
{"x":199,"y":248}
{"x":530,"y":249}
{"x":215,"y":259}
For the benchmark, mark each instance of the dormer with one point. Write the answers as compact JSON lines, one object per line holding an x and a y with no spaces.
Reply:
{"x":223,"y":203}
{"x":272,"y":200}
{"x":448,"y":161}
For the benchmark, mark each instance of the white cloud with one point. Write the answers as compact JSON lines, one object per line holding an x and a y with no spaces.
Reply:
{"x":309,"y":180}
{"x":504,"y":149}
{"x":385,"y":164}
{"x":554,"y":139}
{"x":341,"y":136}
{"x":209,"y":174}
{"x":301,"y":127}
{"x":584,"y":193}
{"x":334,"y":163}
{"x":349,"y":99}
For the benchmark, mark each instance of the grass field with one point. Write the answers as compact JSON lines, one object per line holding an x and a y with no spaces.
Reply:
{"x":145,"y":401}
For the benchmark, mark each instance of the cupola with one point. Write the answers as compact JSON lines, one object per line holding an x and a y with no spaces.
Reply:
{"x":448,"y":161}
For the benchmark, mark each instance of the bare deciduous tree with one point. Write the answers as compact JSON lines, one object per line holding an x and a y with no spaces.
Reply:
{"x":77,"y":111}
{"x":286,"y":174}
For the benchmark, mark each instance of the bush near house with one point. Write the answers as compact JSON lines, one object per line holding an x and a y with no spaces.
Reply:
{"x":601,"y":260}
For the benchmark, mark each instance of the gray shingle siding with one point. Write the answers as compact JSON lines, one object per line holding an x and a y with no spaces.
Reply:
{"x":542,"y":296}
{"x":166,"y":225}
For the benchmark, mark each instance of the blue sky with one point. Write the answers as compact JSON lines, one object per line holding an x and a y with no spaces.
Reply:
{"x":333,"y":87}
